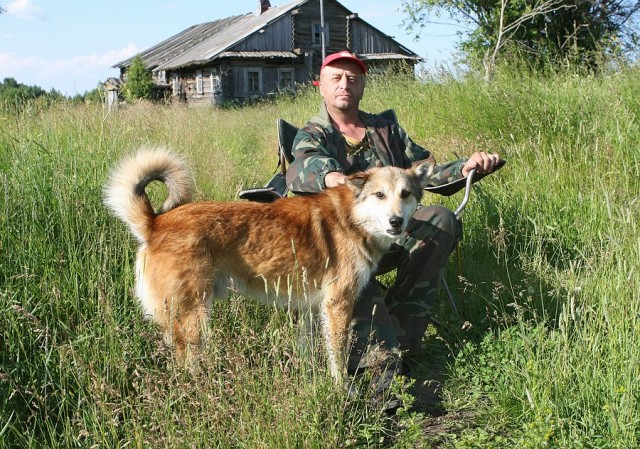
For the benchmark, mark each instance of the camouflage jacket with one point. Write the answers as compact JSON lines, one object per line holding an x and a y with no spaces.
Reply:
{"x":319,"y":149}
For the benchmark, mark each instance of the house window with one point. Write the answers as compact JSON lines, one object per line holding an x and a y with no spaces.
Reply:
{"x":177,"y":87}
{"x":316,"y":33}
{"x":253,"y":81}
{"x":286,"y":79}
{"x":199,"y":83}
{"x":162,"y":76}
{"x":214,"y":80}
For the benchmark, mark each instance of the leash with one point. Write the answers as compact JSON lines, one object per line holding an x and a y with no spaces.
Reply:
{"x":458,"y":212}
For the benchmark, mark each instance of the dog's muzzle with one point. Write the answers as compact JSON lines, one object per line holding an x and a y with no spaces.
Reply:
{"x":396,"y":225}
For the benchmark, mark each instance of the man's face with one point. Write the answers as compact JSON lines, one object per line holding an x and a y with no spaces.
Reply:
{"x":342,"y":85}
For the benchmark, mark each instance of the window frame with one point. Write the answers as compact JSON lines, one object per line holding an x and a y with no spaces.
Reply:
{"x":317,"y":40}
{"x":247,"y":71}
{"x":199,"y":83}
{"x":292,"y":82}
{"x":175,"y":85}
{"x":215,"y":82}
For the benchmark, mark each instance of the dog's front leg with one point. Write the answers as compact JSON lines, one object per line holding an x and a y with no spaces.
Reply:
{"x":337,"y":311}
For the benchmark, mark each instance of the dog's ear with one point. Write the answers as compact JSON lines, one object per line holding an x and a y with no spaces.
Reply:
{"x":422,"y":171}
{"x":356,"y":182}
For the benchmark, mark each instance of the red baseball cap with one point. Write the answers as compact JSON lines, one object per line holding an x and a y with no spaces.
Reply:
{"x":346,"y":56}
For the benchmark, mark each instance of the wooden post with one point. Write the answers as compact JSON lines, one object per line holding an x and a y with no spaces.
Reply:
{"x":322,"y":36}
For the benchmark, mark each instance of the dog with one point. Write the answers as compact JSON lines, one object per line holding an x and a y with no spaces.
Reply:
{"x":316,"y":251}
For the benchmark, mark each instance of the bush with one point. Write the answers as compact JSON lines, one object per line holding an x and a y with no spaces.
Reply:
{"x":138,"y":83}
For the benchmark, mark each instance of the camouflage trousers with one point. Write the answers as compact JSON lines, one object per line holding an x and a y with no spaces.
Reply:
{"x":389,"y":322}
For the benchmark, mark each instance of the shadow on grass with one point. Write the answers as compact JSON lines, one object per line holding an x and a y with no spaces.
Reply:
{"x":496,"y":288}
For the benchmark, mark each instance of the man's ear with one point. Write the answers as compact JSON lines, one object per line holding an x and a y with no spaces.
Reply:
{"x":356,"y":182}
{"x":423,"y":171}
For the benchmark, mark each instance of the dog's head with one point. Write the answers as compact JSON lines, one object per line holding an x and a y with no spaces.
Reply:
{"x":387,"y":197}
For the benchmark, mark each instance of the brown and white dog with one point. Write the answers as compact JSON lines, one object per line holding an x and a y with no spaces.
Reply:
{"x":314,"y":251}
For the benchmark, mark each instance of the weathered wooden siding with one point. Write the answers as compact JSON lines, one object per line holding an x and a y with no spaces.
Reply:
{"x":231,"y":76}
{"x":335,"y":18}
{"x":277,"y":36}
{"x":366,"y":40}
{"x":269,"y":72}
{"x":212,"y":92}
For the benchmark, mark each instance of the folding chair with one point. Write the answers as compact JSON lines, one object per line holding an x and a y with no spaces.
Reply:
{"x":277,"y":185}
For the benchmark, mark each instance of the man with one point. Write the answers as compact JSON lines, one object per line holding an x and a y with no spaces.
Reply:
{"x":342,"y":140}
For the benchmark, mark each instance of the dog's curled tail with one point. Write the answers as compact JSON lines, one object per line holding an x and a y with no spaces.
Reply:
{"x":125,"y":191}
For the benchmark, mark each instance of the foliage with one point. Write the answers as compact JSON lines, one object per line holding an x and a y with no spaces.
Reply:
{"x":17,"y":97}
{"x":95,"y":96}
{"x":138,"y":83}
{"x":13,"y":94}
{"x":581,"y":32}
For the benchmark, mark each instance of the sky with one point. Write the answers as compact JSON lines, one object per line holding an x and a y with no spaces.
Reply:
{"x":71,"y":45}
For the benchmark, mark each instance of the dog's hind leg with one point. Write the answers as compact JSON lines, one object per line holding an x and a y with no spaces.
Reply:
{"x":187,"y":331}
{"x":190,"y":315}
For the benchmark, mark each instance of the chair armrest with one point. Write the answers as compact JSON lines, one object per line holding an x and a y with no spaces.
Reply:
{"x":457,"y":185}
{"x":275,"y":188}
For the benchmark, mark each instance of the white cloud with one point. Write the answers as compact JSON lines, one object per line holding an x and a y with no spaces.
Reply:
{"x":69,"y":76}
{"x":24,"y":9}
{"x":11,"y":62}
{"x":85,"y":63}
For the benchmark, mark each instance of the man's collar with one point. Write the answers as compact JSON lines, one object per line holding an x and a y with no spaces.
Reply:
{"x":323,"y":114}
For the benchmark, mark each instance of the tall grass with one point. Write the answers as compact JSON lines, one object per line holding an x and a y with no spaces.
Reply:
{"x":548,"y":356}
{"x":79,"y":365}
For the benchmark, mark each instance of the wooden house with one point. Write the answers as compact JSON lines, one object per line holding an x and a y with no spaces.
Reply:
{"x":266,"y":51}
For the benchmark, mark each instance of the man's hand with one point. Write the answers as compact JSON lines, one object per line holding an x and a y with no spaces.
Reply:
{"x":333,"y":179}
{"x":482,"y":162}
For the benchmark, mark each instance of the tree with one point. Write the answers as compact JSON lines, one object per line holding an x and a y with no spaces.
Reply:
{"x":509,"y":26}
{"x":590,"y":30}
{"x":138,"y":83}
{"x":13,"y":91}
{"x":15,"y":96}
{"x":541,"y":31}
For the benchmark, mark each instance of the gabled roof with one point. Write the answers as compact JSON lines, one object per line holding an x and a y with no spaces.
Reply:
{"x":202,"y":43}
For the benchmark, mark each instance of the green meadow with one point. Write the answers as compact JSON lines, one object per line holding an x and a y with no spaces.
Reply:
{"x":544,"y":352}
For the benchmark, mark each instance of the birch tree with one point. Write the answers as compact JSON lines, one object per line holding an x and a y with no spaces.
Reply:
{"x":507,"y":29}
